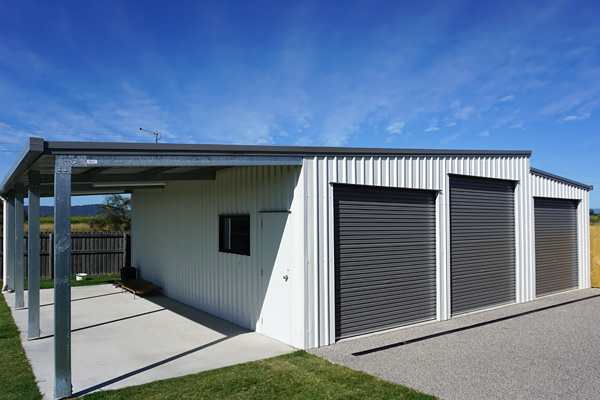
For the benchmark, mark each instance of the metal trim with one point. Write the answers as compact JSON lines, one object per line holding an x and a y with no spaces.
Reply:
{"x":30,"y":152}
{"x":120,"y":148}
{"x":557,"y":178}
{"x":278,"y":155}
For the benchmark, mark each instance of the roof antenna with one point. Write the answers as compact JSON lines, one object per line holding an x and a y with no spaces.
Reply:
{"x":157,"y":134}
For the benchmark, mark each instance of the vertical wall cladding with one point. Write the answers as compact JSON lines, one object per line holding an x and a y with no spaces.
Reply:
{"x":175,"y":238}
{"x":544,"y":187}
{"x":430,"y":173}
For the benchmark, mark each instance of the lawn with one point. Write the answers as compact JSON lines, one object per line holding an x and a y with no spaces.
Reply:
{"x":16,"y":378}
{"x":292,"y":376}
{"x":94,"y":280}
{"x":299,"y":375}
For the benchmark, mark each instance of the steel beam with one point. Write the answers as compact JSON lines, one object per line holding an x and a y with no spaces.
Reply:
{"x":33,"y":259}
{"x":107,"y":178}
{"x":19,"y":248}
{"x":62,"y":277}
{"x":180,"y":161}
{"x":8,"y":279}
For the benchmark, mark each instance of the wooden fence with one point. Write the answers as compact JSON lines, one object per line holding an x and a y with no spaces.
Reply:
{"x":595,"y":254}
{"x":94,"y":253}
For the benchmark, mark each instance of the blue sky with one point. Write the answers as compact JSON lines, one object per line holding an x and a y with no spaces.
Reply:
{"x":406,"y":74}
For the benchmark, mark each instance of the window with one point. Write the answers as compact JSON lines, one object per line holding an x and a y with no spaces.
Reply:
{"x":234,"y":234}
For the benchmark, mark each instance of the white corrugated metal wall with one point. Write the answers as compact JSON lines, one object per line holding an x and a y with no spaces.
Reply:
{"x":175,"y":240}
{"x":546,"y":187}
{"x":429,"y":173}
{"x":170,"y":249}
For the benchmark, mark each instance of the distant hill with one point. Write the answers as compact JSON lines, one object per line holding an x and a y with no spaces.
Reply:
{"x":596,"y":210}
{"x":88,"y":210}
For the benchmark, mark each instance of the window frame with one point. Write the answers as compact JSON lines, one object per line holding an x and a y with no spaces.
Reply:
{"x":238,"y":241}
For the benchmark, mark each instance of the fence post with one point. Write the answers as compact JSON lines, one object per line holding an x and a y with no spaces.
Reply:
{"x":128,"y":250}
{"x":124,"y":248}
{"x":51,"y":255}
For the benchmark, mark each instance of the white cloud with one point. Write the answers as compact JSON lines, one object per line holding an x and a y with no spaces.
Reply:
{"x":510,"y":97}
{"x":432,"y":126}
{"x":395,"y":128}
{"x":461,"y":112}
{"x":484,"y":133}
{"x":577,"y":117}
{"x":450,"y":138}
{"x":449,"y":124}
{"x":518,"y":125}
{"x":569,"y":102}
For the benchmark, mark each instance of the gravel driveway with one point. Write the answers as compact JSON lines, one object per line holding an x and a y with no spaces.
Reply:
{"x":545,"y":349}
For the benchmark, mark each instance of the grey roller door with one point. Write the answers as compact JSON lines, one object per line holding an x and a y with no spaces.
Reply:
{"x":555,"y":245}
{"x":385,"y":264}
{"x":482,"y":243}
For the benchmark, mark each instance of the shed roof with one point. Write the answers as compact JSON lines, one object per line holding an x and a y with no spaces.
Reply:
{"x":39,"y":155}
{"x":548,"y":175}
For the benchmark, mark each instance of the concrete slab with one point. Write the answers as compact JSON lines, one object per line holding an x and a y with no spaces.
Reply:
{"x":545,"y":349}
{"x":117,"y":341}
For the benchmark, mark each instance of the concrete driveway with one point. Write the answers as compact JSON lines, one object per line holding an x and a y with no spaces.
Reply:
{"x":117,"y":341}
{"x":546,"y":349}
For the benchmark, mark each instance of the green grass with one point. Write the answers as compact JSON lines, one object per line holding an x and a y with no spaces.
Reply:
{"x":94,"y":280}
{"x":292,"y":376}
{"x":299,"y":375}
{"x":16,"y":378}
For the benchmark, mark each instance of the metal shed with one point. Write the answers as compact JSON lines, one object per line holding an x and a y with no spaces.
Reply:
{"x":308,"y":245}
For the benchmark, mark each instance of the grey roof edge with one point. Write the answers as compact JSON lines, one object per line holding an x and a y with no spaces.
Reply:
{"x":548,"y":175}
{"x":32,"y":150}
{"x":125,"y":148}
{"x":36,"y":147}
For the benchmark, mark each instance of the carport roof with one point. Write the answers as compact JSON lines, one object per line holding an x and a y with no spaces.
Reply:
{"x":39,"y":155}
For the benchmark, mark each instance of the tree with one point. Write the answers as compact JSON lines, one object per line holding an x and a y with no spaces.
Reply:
{"x":113,"y":215}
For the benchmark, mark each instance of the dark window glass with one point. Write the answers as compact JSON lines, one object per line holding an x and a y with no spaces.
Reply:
{"x":234,"y":234}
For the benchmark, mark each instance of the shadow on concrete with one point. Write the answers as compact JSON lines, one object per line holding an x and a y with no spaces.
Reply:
{"x":198,"y":316}
{"x":146,"y":368}
{"x":105,"y":323}
{"x":82,"y":298}
{"x":227,"y":329}
{"x":464,"y":328}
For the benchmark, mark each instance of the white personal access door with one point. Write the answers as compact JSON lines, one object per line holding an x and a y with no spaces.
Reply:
{"x":276,"y":261}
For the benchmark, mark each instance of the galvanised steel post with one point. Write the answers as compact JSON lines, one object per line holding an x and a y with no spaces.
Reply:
{"x":19,"y":248}
{"x":33,"y":260}
{"x":62,"y":277}
{"x":9,"y":242}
